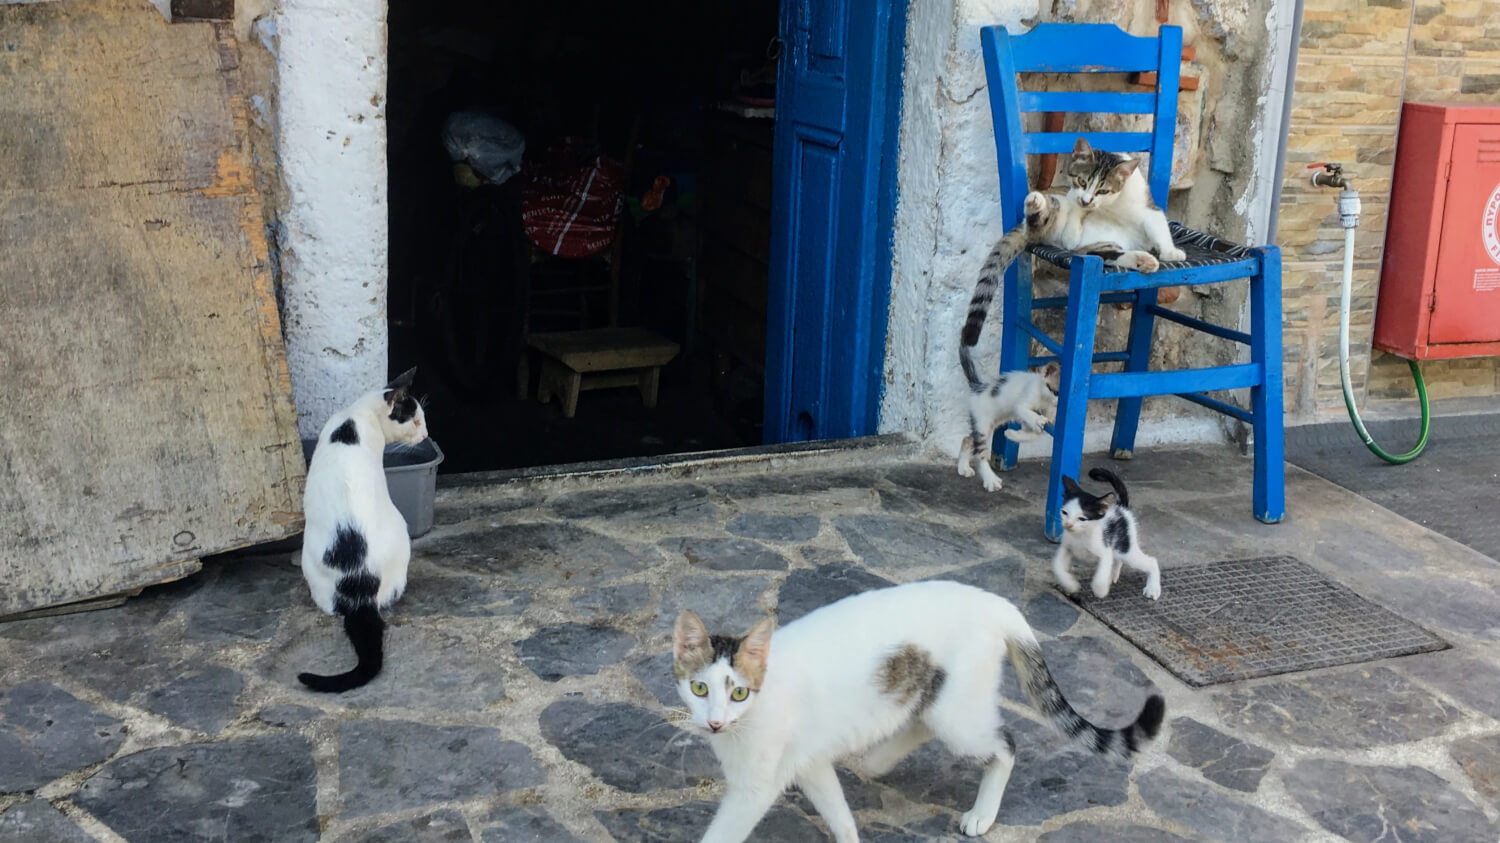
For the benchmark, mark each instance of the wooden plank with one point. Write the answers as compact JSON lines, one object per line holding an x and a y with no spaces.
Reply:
{"x":605,"y":349}
{"x":149,"y":419}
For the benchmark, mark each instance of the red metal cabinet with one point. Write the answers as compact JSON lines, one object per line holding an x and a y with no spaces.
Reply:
{"x":1440,"y":281}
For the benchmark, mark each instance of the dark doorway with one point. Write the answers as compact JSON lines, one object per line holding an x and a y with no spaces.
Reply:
{"x":667,"y":105}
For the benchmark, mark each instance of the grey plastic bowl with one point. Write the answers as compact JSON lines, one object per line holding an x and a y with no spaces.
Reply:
{"x":411,"y":477}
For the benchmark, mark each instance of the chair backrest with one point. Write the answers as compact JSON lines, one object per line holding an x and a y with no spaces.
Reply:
{"x":1079,"y":48}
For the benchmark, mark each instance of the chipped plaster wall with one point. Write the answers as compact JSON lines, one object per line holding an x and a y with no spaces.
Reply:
{"x":328,"y":124}
{"x":948,"y":214}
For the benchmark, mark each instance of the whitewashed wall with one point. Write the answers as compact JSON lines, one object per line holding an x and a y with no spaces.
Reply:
{"x":948,"y":212}
{"x":331,"y":146}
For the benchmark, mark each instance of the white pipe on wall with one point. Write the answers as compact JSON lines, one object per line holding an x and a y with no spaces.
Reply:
{"x":331,"y":141}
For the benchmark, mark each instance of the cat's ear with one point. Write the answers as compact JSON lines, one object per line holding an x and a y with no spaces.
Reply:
{"x":689,"y":637}
{"x":1052,"y":374}
{"x":1124,"y":170}
{"x":1071,"y":488}
{"x":396,"y":389}
{"x":1081,"y":148}
{"x":755,"y":648}
{"x":1106,"y":501}
{"x":757,"y":643}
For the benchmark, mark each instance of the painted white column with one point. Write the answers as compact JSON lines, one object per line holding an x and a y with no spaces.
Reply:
{"x":331,"y":141}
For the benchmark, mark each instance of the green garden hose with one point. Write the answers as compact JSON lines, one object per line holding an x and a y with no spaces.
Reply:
{"x":1349,"y":212}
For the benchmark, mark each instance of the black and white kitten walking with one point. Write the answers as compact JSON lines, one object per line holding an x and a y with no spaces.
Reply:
{"x":1095,"y":527}
{"x":355,"y":548}
{"x":874,"y":676}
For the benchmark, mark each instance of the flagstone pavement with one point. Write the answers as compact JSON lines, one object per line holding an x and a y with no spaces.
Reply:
{"x":527,"y":671}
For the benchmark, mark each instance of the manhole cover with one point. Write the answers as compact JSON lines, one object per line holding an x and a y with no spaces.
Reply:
{"x":1227,"y":621}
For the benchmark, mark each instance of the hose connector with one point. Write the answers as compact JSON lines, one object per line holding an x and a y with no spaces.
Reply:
{"x":1349,"y":208}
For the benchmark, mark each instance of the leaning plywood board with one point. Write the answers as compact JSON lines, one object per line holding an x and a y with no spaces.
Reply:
{"x":147,"y":417}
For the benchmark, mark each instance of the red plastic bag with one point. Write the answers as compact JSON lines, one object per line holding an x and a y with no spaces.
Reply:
{"x":572,"y":200}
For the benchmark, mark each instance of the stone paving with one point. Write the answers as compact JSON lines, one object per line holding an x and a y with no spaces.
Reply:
{"x":527,"y":672}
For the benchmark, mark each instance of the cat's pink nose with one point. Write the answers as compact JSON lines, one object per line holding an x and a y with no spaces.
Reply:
{"x":715,"y":725}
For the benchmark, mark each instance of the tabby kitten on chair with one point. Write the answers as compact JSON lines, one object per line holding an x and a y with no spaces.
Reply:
{"x":876,"y":676}
{"x":1095,"y":527}
{"x":355,"y":548}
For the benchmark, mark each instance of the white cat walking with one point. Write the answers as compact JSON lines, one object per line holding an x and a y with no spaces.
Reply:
{"x":355,"y":548}
{"x":877,"y":674}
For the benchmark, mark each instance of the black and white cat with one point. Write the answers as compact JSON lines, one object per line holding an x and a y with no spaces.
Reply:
{"x":1095,"y":527}
{"x":355,"y":548}
{"x":876,"y":675}
{"x":1027,"y":397}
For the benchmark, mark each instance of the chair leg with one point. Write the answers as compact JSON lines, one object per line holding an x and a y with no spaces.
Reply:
{"x":1015,"y":345}
{"x":569,"y":387}
{"x":1128,"y":410}
{"x":1269,"y":495}
{"x":650,"y":381}
{"x":1085,"y":279}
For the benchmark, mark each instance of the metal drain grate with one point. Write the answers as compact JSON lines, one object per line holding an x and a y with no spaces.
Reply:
{"x":1227,"y":621}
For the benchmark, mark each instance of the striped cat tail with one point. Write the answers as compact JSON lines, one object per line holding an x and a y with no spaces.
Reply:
{"x":990,"y":276}
{"x":1047,"y":698}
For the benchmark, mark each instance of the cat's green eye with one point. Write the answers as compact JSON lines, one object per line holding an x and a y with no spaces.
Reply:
{"x":739,"y":694}
{"x":1103,"y":191}
{"x":699,"y":689}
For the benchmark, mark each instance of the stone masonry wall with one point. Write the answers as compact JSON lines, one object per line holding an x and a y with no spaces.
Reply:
{"x":1358,"y":61}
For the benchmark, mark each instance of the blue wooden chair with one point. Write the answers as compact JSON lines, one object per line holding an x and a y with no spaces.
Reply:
{"x":1096,"y":48}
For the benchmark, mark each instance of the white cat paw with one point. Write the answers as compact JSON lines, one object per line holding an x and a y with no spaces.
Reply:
{"x":965,"y":470}
{"x":1067,"y":584}
{"x":1101,"y":590}
{"x":992,"y":482}
{"x":1035,"y":202}
{"x":1152,"y":590}
{"x":1016,"y":435}
{"x":1173,"y":254}
{"x":974,"y":825}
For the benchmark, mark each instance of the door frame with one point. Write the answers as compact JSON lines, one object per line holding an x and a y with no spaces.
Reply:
{"x":878,"y":113}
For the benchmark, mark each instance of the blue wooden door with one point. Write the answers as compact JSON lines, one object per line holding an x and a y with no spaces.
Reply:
{"x":837,"y":102}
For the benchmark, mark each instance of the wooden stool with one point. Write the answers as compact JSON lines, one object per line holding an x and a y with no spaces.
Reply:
{"x":576,"y":361}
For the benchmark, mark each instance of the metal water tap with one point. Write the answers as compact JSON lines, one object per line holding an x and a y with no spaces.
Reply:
{"x":1332,"y":175}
